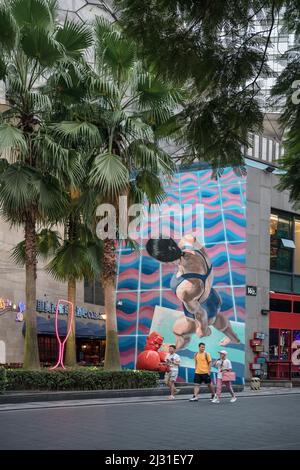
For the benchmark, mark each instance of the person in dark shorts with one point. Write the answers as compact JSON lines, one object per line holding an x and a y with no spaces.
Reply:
{"x":202,"y":372}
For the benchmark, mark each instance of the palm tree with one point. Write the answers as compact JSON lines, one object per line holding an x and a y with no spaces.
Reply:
{"x":33,"y":45}
{"x":132,"y":110}
{"x":78,"y":257}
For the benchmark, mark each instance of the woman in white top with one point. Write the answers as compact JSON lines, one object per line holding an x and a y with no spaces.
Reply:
{"x":223,"y":364}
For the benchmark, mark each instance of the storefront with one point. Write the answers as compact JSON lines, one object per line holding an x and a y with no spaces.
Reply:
{"x":284,"y":336}
{"x":89,"y":333}
{"x":90,"y":340}
{"x":88,"y":351}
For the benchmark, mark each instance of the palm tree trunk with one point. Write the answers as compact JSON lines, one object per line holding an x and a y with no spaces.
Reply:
{"x":112,"y":355}
{"x":31,"y":351}
{"x":70,"y":357}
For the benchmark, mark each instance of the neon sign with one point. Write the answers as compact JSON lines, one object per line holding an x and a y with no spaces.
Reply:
{"x":61,"y":344}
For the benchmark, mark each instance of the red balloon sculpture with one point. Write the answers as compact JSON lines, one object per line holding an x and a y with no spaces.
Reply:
{"x":151,"y":358}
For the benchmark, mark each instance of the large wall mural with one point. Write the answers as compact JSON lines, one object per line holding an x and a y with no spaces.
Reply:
{"x":148,"y":301}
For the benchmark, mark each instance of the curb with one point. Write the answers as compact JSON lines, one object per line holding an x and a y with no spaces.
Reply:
{"x":30,"y":397}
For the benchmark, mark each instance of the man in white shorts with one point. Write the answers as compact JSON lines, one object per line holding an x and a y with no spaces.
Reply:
{"x":173,"y":360}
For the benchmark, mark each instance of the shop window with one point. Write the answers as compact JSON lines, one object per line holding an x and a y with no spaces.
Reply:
{"x":285,"y":340}
{"x":48,"y":349}
{"x":296,"y":307}
{"x":90,"y":351}
{"x":281,"y":259}
{"x":273,"y":344}
{"x":296,"y":335}
{"x":296,"y":284}
{"x":280,"y":305}
{"x":281,"y":242}
{"x":281,"y":225}
{"x":297,"y":247}
{"x":280,"y":282}
{"x":93,"y":292}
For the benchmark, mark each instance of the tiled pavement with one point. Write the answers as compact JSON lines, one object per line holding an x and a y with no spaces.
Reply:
{"x":268,"y":419}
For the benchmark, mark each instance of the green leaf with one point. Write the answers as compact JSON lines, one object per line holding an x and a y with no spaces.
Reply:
{"x":38,"y":44}
{"x":12,"y":138}
{"x":70,"y":262}
{"x":3,"y":69}
{"x":48,"y":242}
{"x":17,"y":192}
{"x":8,"y":30}
{"x":70,"y":132}
{"x":113,"y":50}
{"x":52,"y":200}
{"x":3,"y":165}
{"x":109,"y":175}
{"x":75,"y":38}
{"x":33,"y":13}
{"x":151,"y":186}
{"x":18,"y":254}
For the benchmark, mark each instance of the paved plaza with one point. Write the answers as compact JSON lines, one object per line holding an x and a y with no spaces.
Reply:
{"x":266,"y":421}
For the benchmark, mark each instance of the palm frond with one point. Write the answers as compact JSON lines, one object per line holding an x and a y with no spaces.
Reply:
{"x":104,"y":88}
{"x":18,"y":254}
{"x":3,"y":68}
{"x":8,"y":29}
{"x":70,"y":262}
{"x":70,"y":133}
{"x":113,"y":51}
{"x":109,"y":175}
{"x":12,"y":139}
{"x":150,"y":184}
{"x":75,"y":38}
{"x":32,"y":13}
{"x":51,"y":199}
{"x":17,"y":191}
{"x":48,"y":242}
{"x":3,"y":165}
{"x":40,"y":45}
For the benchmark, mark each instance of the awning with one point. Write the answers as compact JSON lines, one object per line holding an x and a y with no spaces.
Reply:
{"x":91,"y":330}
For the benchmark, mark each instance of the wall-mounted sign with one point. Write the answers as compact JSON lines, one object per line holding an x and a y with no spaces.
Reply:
{"x":259,"y":335}
{"x":255,"y":342}
{"x":265,"y":312}
{"x":251,"y":290}
{"x":7,"y":305}
{"x":80,"y":312}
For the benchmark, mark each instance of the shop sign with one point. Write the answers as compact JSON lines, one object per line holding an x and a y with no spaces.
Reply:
{"x":7,"y":305}
{"x":80,"y":312}
{"x":259,"y":335}
{"x":251,"y":290}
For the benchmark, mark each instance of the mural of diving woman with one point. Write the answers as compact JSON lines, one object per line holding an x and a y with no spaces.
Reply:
{"x":192,"y":283}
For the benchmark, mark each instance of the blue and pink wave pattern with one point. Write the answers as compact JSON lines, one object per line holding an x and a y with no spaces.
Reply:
{"x":144,"y":283}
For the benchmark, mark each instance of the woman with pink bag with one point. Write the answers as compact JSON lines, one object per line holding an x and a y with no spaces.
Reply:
{"x":225,"y":375}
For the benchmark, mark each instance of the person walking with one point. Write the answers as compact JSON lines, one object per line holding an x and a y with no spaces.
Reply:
{"x":224,"y":376}
{"x":173,"y":361}
{"x":203,"y":364}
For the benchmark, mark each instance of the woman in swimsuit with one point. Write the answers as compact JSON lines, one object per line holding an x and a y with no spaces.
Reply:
{"x":192,"y":284}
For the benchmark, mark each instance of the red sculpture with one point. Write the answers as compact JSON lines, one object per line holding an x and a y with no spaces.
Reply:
{"x":151,"y":358}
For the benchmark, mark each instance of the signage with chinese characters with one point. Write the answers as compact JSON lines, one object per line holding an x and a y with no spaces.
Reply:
{"x":80,"y":312}
{"x":251,"y":290}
